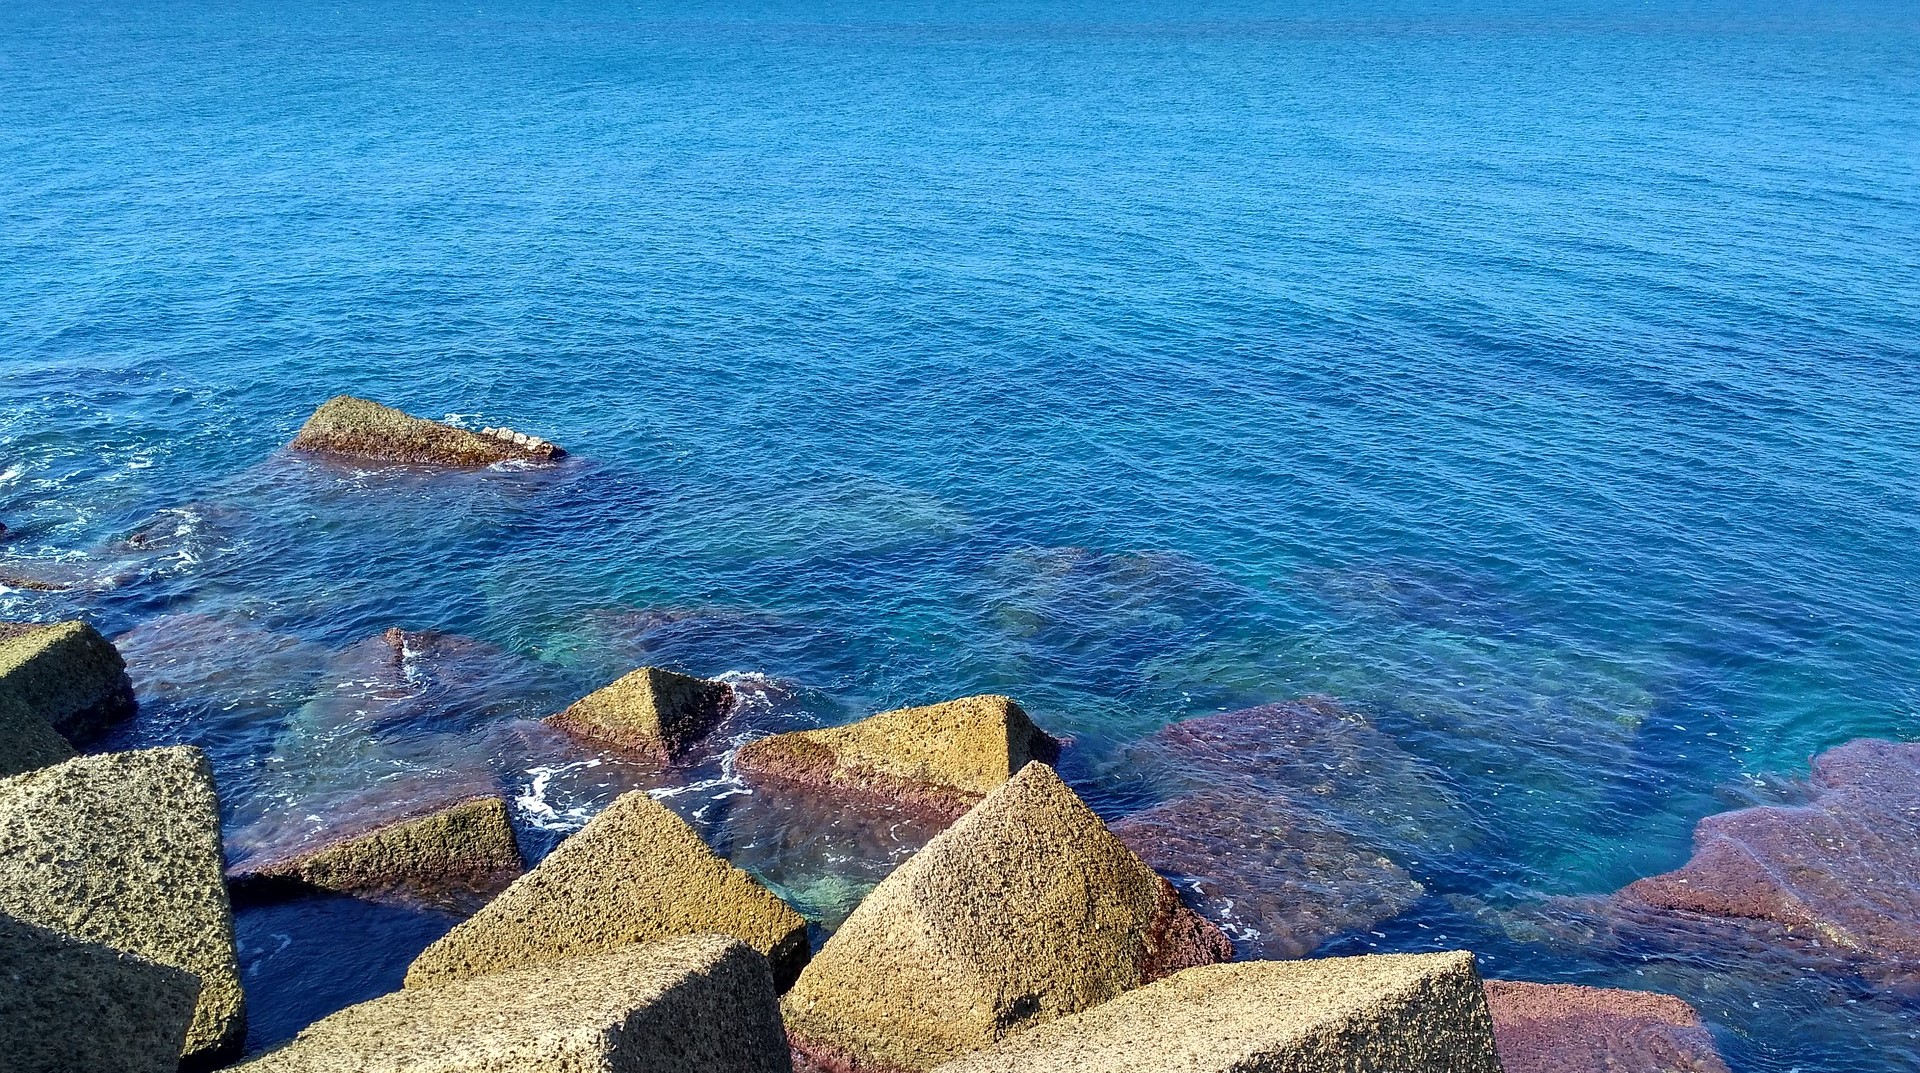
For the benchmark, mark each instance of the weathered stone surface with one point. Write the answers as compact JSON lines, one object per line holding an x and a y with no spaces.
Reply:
{"x":1835,"y":880}
{"x":67,"y":674}
{"x":1561,"y":1028}
{"x":27,"y":742}
{"x":653,"y":711}
{"x":1411,"y":1013}
{"x":1025,"y":910}
{"x":454,"y":858}
{"x":635,"y":873}
{"x":1276,"y":878}
{"x":344,"y":425}
{"x":942,"y":757}
{"x":123,"y":849}
{"x":700,"y":1004}
{"x":68,"y":1005}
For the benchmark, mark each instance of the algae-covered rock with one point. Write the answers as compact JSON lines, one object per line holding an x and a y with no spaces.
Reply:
{"x":123,"y":850}
{"x":1410,"y":1013}
{"x":942,"y":757}
{"x":1025,"y":910}
{"x":700,"y":1004}
{"x":67,"y":674}
{"x":344,"y":425}
{"x":68,"y":1005}
{"x":634,"y":873}
{"x":1275,"y":876}
{"x":27,"y":742}
{"x":453,"y":858}
{"x":654,"y":711}
{"x":1561,"y":1028}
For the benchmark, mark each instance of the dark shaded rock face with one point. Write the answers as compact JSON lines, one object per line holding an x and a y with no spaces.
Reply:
{"x":1323,"y":758}
{"x":67,"y":674}
{"x":1836,"y":881}
{"x":357,"y":428}
{"x":72,"y":1005}
{"x":1559,"y":1028}
{"x":1276,"y":878}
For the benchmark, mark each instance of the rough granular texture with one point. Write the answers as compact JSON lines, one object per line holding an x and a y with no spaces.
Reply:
{"x":1025,"y":910}
{"x":1273,"y":875}
{"x":67,"y":674}
{"x":27,"y":742}
{"x":123,"y":849}
{"x":1838,"y":877}
{"x":653,"y":711}
{"x":635,"y":873}
{"x":344,"y":425}
{"x":1560,"y":1028}
{"x":702,"y":1004}
{"x":455,"y":858}
{"x":1409,"y":1013}
{"x":943,"y":758}
{"x":67,"y":1005}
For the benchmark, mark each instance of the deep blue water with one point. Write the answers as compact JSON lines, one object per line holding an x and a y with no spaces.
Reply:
{"x":1536,"y":378}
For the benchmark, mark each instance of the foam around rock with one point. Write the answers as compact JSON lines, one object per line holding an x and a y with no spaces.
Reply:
{"x":344,"y":425}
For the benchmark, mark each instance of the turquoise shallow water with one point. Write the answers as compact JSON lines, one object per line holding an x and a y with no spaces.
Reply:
{"x":1536,"y":379}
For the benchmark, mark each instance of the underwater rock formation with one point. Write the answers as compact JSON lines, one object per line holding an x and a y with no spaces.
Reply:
{"x":1411,"y":1013}
{"x":67,"y":674}
{"x":653,"y":711}
{"x":635,"y":873}
{"x":123,"y":849}
{"x":73,"y":1006}
{"x":357,"y":428}
{"x":1276,"y":878}
{"x":1025,"y":910}
{"x":943,"y":758}
{"x":454,"y":858}
{"x":702,"y":1004}
{"x":1561,"y":1028}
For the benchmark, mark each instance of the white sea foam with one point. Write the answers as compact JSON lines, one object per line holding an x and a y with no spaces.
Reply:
{"x":539,"y":812}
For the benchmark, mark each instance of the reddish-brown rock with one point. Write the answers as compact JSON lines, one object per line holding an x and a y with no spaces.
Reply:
{"x":1561,"y":1028}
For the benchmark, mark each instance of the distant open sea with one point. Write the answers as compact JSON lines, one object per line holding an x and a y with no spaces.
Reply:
{"x":1540,"y":379}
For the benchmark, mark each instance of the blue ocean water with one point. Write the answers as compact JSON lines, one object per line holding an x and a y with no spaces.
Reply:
{"x":1535,"y":378}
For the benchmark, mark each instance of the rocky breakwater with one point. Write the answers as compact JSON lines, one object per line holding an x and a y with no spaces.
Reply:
{"x":356,"y":428}
{"x":942,"y":759}
{"x":119,"y":854}
{"x":1025,"y":910}
{"x":652,"y":711}
{"x":1562,"y":1028}
{"x":61,"y":685}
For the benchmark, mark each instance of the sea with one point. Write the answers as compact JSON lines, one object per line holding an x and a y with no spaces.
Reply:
{"x":1537,"y":381}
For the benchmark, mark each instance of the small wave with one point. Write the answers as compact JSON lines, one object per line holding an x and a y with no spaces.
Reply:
{"x":533,"y":804}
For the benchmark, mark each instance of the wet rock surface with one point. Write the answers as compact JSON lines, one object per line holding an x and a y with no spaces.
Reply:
{"x":702,"y":1004}
{"x":123,"y":850}
{"x":67,"y":674}
{"x":635,"y":873}
{"x":1275,"y":877}
{"x":1415,"y":1013}
{"x":68,"y":1005}
{"x":942,"y":758}
{"x":653,"y":711}
{"x":1025,"y":910}
{"x":357,"y":428}
{"x":1562,"y":1028}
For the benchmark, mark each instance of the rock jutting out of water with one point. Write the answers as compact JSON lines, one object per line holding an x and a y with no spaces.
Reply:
{"x":68,"y":675}
{"x":941,"y":758}
{"x":1025,"y":910}
{"x":657,"y":712}
{"x":1276,"y":878}
{"x":1412,"y":1013}
{"x":357,"y":428}
{"x":1561,"y":1028}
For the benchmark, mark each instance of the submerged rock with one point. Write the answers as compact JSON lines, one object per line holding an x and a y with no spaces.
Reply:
{"x":344,"y":425}
{"x":1836,"y":880}
{"x":1560,"y":1028}
{"x":67,"y":674}
{"x":123,"y":850}
{"x":1275,"y":877}
{"x":702,"y":1004}
{"x":635,"y":873}
{"x":653,"y":711}
{"x":70,"y":1005}
{"x":27,"y":742}
{"x":943,"y":758}
{"x":1411,"y":1013}
{"x":1025,"y":910}
{"x":453,"y":858}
